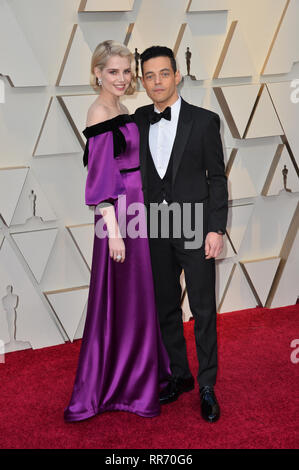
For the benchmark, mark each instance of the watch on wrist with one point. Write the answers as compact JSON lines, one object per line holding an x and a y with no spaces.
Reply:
{"x":220,"y":232}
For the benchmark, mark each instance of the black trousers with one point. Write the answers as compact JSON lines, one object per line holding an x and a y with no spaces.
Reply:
{"x":168,"y":257}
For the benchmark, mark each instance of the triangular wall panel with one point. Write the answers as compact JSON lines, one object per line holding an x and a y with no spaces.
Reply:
{"x":68,"y":305}
{"x":75,"y":108}
{"x":74,"y":71}
{"x":238,"y":219}
{"x":56,"y":135}
{"x":25,"y":209}
{"x":17,"y":59}
{"x":277,"y":180}
{"x":250,"y":168}
{"x":268,"y":226}
{"x":35,"y":322}
{"x":258,"y":21}
{"x":235,"y":60}
{"x":237,"y":103}
{"x":265,"y":122}
{"x":284,"y":48}
{"x":238,"y":295}
{"x":83,"y":237}
{"x":208,"y":32}
{"x":286,"y":104}
{"x":11,"y":184}
{"x":169,"y":17}
{"x":261,"y":273}
{"x":287,"y":291}
{"x":36,"y":247}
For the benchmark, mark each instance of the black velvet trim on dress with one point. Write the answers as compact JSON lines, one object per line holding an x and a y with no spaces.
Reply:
{"x":119,"y":141}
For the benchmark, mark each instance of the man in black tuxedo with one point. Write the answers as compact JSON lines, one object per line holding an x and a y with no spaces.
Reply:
{"x":181,"y":161}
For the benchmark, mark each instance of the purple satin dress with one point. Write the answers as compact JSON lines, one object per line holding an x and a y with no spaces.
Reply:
{"x":122,"y":362}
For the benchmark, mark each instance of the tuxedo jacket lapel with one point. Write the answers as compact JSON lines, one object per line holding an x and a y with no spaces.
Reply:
{"x":144,"y":145}
{"x":182,"y":134}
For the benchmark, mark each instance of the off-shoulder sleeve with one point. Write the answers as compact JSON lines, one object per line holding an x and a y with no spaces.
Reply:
{"x":104,"y":181}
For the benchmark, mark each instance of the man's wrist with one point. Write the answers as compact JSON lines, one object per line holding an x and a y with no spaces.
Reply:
{"x":219,"y":232}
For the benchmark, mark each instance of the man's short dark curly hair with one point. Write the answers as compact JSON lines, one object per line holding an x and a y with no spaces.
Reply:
{"x":158,"y":51}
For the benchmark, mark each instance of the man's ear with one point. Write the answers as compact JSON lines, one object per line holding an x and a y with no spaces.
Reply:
{"x":178,"y":77}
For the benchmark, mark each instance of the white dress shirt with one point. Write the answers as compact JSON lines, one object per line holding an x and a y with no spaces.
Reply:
{"x":161,"y":138}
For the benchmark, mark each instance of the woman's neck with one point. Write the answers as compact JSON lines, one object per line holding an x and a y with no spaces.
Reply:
{"x":110,"y":100}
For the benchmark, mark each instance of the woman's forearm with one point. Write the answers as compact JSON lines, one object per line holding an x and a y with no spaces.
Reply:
{"x":108,"y":212}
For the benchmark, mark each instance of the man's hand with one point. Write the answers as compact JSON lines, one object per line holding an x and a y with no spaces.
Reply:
{"x":213,"y":244}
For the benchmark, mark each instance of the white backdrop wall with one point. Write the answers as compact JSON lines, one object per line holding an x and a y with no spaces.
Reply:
{"x":244,"y":66}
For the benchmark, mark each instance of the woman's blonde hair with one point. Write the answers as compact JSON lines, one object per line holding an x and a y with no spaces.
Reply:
{"x":99,"y":59}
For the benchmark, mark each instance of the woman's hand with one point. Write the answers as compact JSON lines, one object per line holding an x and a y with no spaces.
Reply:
{"x":117,"y":247}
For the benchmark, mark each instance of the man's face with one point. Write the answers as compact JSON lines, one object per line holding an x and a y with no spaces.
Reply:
{"x":159,"y":80}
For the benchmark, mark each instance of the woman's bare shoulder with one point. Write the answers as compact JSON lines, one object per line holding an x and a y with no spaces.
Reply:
{"x":96,"y":113}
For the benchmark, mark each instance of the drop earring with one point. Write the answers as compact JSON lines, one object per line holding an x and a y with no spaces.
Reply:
{"x":99,"y":82}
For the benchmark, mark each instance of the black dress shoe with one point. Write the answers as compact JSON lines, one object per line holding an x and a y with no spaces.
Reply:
{"x":174,"y":388}
{"x":210,"y":410}
{"x":169,"y":393}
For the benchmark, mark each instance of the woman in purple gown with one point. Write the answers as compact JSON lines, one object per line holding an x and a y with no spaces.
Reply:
{"x":122,"y":364}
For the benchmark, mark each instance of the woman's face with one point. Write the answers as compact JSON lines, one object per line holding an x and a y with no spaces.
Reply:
{"x":116,"y":75}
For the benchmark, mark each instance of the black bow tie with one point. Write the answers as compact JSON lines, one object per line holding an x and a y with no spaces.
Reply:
{"x":155,"y":117}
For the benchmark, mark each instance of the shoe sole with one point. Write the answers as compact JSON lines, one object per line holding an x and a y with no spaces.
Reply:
{"x":212,"y":420}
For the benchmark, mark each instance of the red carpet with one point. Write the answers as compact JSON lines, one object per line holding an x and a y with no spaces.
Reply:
{"x":257,"y":388}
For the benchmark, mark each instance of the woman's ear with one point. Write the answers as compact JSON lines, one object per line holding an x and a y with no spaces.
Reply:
{"x":97,"y":72}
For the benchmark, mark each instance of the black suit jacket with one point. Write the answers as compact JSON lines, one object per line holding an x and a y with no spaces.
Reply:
{"x":198,"y":173}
